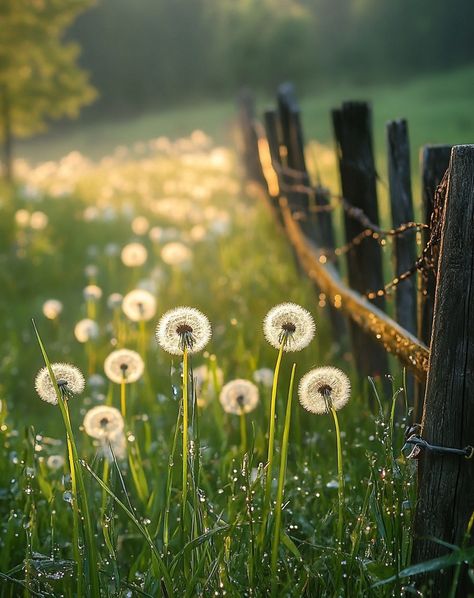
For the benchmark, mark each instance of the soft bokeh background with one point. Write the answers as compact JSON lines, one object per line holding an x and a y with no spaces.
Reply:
{"x":168,"y":66}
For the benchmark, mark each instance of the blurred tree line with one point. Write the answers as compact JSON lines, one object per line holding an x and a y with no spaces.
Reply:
{"x":144,"y":53}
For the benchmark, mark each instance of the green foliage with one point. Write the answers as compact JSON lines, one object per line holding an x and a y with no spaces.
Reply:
{"x":39,"y":77}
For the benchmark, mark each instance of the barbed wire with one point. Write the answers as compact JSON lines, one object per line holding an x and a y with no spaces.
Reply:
{"x":424,"y":263}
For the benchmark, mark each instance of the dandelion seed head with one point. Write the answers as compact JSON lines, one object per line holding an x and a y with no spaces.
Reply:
{"x":55,"y":462}
{"x":86,"y":330}
{"x":183,"y":328}
{"x":323,"y":388}
{"x":69,"y":380}
{"x":176,"y":254}
{"x":239,"y":396}
{"x":92,"y":292}
{"x":38,"y":220}
{"x":134,"y":255}
{"x":114,"y":300}
{"x":52,"y":308}
{"x":116,"y":445}
{"x":290,"y":324}
{"x":103,"y":422}
{"x":139,"y":305}
{"x":264,"y":376}
{"x":140,"y":225}
{"x":124,"y":365}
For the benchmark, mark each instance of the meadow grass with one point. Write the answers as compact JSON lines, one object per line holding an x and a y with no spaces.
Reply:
{"x":155,"y":528}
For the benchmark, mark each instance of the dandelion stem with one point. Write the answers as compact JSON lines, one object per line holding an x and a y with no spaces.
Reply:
{"x":142,"y":338}
{"x":123,"y":406}
{"x":74,"y":461}
{"x":340,"y":475}
{"x":75,"y":521}
{"x":185,"y":432}
{"x":281,"y":481}
{"x":243,"y":432}
{"x":271,"y":443}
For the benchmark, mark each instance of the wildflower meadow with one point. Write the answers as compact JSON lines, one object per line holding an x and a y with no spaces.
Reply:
{"x":176,"y":419}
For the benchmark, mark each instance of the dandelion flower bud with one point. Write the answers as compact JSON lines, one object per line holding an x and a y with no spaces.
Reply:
{"x":69,"y":379}
{"x":124,"y":365}
{"x":103,"y":422}
{"x":176,"y":254}
{"x":239,"y":396}
{"x":134,"y":254}
{"x":139,"y":305}
{"x":86,"y":330}
{"x":52,"y":308}
{"x":92,"y":292}
{"x":183,"y":328}
{"x":324,"y":388}
{"x":289,"y":324}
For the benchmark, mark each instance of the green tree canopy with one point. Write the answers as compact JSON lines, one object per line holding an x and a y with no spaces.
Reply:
{"x":39,"y":76}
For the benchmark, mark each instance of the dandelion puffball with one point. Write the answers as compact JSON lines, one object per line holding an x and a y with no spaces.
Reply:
{"x":183,"y":328}
{"x":134,"y":254}
{"x":69,"y":379}
{"x":86,"y":330}
{"x":52,"y":308}
{"x":324,"y":388}
{"x":92,"y":292}
{"x":103,"y":422}
{"x":239,"y":396}
{"x":114,"y":300}
{"x":264,"y":376}
{"x":124,"y":365}
{"x":289,"y":324}
{"x":139,"y":305}
{"x":55,"y":462}
{"x":176,"y":254}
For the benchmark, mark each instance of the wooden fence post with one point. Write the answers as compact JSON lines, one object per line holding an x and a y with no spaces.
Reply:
{"x":434,"y":163}
{"x":446,"y":482}
{"x":353,"y":133}
{"x":401,"y":202}
{"x":249,"y":135}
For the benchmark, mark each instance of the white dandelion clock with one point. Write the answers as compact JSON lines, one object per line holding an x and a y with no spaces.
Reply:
{"x":52,"y":309}
{"x":103,"y":422}
{"x":183,"y":328}
{"x":124,"y":365}
{"x":114,"y":300}
{"x":139,"y":305}
{"x":323,"y":389}
{"x":92,"y":292}
{"x":69,"y":379}
{"x":176,"y":254}
{"x":134,"y":254}
{"x":86,"y":330}
{"x":55,"y":462}
{"x":290,"y":325}
{"x":239,"y":396}
{"x":264,"y":376}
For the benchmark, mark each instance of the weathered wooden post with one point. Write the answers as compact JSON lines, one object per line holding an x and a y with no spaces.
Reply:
{"x":249,"y":141}
{"x":401,"y":202}
{"x":434,"y":163}
{"x":353,"y":133}
{"x":446,"y":482}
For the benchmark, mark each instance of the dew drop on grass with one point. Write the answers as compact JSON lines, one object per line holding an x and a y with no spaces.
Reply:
{"x":67,"y":496}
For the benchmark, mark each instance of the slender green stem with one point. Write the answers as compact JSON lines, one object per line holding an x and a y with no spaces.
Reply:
{"x":123,"y":405}
{"x":281,"y":482}
{"x":185,"y":434}
{"x":75,"y":521}
{"x":169,"y":485}
{"x":271,"y":443}
{"x":74,"y":459}
{"x":243,"y":432}
{"x":340,"y":475}
{"x":142,"y":338}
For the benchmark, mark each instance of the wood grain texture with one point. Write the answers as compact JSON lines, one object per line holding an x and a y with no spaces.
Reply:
{"x":352,"y":126}
{"x":446,"y":483}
